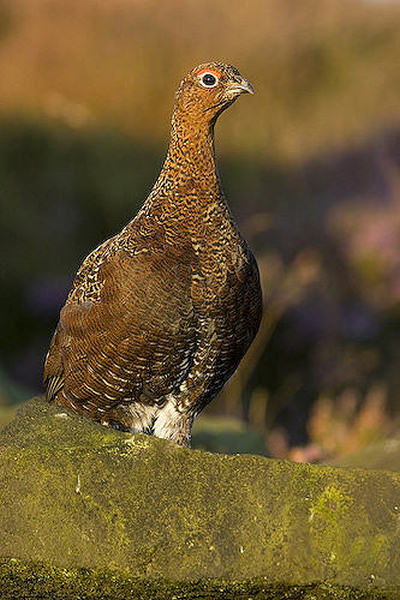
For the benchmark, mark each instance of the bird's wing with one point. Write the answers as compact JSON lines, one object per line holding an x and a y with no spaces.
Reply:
{"x":130,"y":339}
{"x":53,"y":376}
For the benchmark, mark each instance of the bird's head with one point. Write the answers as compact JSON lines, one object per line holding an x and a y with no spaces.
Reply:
{"x":208,"y":90}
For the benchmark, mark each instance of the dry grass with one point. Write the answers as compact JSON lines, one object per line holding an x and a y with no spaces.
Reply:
{"x":326,"y":72}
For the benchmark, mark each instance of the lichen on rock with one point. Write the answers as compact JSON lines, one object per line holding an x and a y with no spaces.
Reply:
{"x":83,"y":502}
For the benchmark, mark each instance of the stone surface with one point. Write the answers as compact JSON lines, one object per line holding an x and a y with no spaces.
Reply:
{"x":383,"y":455}
{"x":92,"y":513}
{"x":226,"y":435}
{"x":6,"y":414}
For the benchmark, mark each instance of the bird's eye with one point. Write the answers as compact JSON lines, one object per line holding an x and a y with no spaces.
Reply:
{"x":208,"y":80}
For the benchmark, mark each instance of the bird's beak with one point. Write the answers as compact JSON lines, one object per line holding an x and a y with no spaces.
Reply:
{"x":242,"y":87}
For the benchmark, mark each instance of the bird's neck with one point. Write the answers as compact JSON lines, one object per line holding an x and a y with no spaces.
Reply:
{"x":191,"y":153}
{"x":188,"y":190}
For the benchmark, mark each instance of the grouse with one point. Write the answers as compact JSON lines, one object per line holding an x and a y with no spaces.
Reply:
{"x":160,"y":315}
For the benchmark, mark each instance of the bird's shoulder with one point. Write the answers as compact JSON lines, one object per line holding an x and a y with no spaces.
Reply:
{"x":135,"y":256}
{"x":124,"y":283}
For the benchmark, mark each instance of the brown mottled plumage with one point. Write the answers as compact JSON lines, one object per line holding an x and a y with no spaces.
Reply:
{"x":160,"y":315}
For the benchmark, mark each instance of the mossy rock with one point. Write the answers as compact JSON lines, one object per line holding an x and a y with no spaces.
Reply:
{"x":383,"y":455}
{"x":6,"y":414}
{"x":228,"y":435}
{"x":86,"y":512}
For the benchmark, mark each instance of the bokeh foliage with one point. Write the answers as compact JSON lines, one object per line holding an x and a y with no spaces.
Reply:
{"x":309,"y":164}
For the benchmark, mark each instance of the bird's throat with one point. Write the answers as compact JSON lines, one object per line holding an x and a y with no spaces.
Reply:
{"x":191,"y":153}
{"x":188,"y":189}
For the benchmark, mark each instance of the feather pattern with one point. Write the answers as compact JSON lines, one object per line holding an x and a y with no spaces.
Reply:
{"x":160,"y":315}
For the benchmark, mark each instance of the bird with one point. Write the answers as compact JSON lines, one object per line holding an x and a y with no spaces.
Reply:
{"x":160,"y":315}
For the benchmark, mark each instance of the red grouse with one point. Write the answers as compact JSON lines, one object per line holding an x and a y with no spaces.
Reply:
{"x":160,"y":315}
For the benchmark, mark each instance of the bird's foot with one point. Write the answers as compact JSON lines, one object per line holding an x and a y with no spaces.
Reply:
{"x":179,"y":438}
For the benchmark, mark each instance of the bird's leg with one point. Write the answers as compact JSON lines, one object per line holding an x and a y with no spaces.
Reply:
{"x":174,"y":423}
{"x":133,"y":417}
{"x":175,"y":419}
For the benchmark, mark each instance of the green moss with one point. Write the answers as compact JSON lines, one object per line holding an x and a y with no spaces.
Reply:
{"x":44,"y":582}
{"x":214,"y":434}
{"x":327,"y":514}
{"x":75,"y":496}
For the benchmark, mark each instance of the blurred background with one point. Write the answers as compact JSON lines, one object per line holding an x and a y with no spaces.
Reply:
{"x":310,"y":165}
